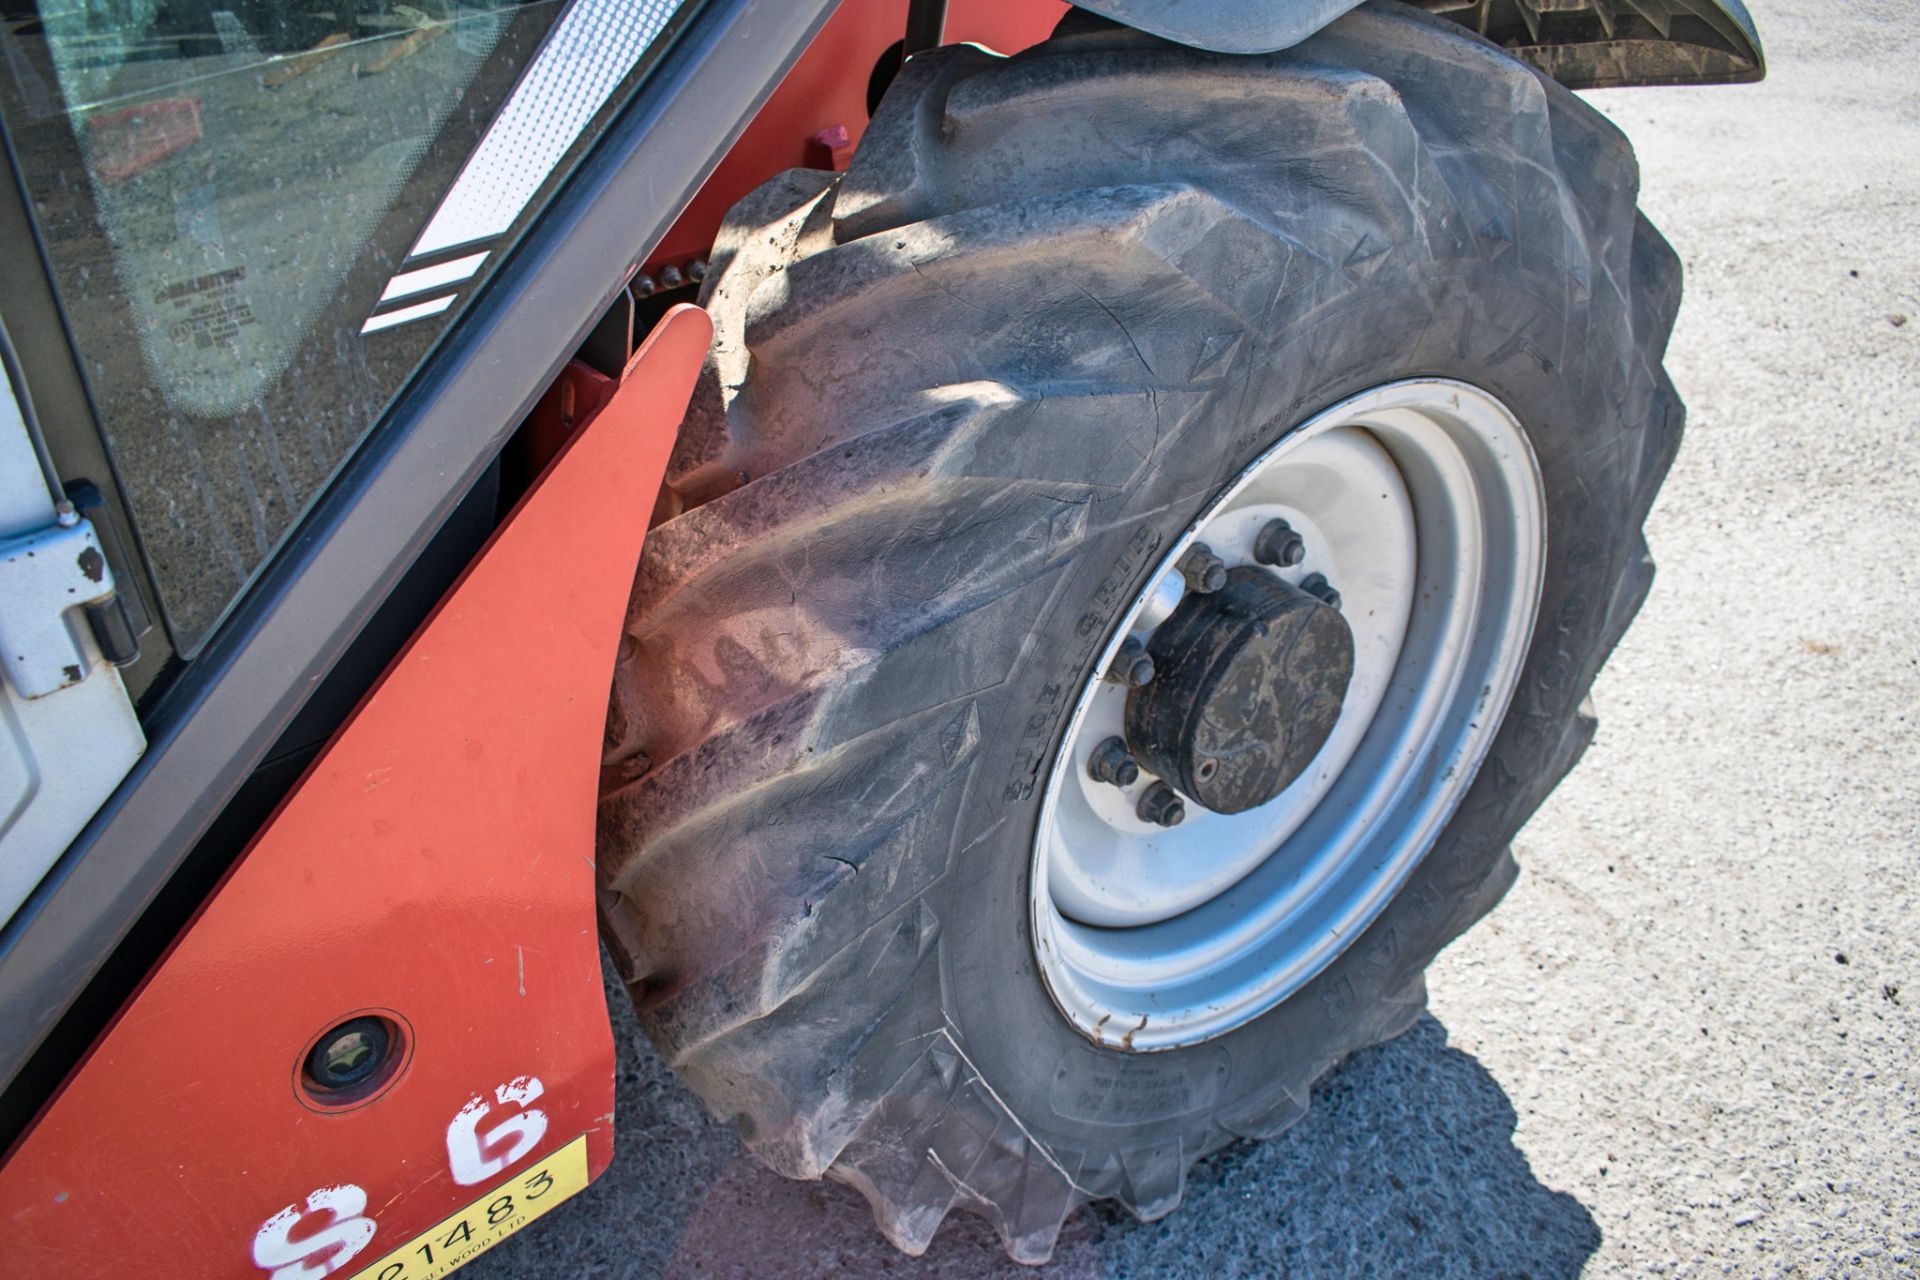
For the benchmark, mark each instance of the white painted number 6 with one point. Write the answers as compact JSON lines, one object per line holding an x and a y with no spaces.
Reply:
{"x":474,"y":1156}
{"x":319,"y":1252}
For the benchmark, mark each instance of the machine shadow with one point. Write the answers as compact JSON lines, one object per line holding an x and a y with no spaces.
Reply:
{"x":1405,"y":1166}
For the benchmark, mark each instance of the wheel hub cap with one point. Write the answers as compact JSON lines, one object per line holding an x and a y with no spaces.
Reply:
{"x":1248,"y":686}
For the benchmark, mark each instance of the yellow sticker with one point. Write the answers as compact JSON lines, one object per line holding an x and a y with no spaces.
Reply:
{"x":496,"y":1215}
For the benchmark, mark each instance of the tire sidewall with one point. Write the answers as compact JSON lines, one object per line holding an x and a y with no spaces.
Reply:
{"x":1472,"y":321}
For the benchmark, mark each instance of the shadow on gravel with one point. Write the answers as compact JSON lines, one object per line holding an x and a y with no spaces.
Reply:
{"x":1405,"y":1166}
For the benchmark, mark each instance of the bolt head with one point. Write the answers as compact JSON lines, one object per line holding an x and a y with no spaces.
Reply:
{"x":1161,"y":805}
{"x":1113,"y":764}
{"x":1204,"y":571}
{"x":1279,"y":544}
{"x":1132,"y":666}
{"x":670,"y":278}
{"x":1317,"y":586}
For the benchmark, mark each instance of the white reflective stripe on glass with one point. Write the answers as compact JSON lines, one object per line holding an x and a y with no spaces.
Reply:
{"x":418,"y":311}
{"x":589,"y":52}
{"x":438,"y":276}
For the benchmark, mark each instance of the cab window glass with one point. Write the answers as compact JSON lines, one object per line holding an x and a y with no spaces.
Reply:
{"x":236,"y":196}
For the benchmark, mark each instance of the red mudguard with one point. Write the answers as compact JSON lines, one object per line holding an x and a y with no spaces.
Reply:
{"x":434,"y":868}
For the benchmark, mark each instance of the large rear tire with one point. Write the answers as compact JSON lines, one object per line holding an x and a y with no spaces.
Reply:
{"x":962,"y":401}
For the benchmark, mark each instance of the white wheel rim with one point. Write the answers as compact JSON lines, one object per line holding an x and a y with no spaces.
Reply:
{"x":1422,"y":504}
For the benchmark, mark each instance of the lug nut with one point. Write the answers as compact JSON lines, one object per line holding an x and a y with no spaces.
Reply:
{"x":697,"y":270}
{"x":1279,"y":545}
{"x":1132,"y":666}
{"x":1112,"y":763}
{"x":670,"y":278}
{"x":1317,"y":586}
{"x":645,"y":286}
{"x":1161,"y":805}
{"x":1204,"y":571}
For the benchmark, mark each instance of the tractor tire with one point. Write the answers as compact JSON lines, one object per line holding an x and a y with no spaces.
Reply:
{"x":959,"y":398}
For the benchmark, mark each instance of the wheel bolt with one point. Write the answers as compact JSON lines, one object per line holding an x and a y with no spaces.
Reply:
{"x":1112,"y":763}
{"x":1161,"y":805}
{"x":1204,"y":571}
{"x":1279,"y":545}
{"x":1317,"y":586}
{"x":670,"y":278}
{"x":1132,"y":666}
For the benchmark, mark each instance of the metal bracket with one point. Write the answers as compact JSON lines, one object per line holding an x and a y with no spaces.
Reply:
{"x":926,"y":26}
{"x":44,"y":576}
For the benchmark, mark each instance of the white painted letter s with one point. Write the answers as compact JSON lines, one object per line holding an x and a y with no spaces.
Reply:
{"x":324,"y":1251}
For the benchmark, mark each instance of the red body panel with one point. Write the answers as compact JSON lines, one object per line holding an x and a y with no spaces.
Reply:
{"x":436,"y":861}
{"x":828,"y":88}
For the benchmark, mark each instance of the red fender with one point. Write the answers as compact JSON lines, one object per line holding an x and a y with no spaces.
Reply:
{"x":435,"y":866}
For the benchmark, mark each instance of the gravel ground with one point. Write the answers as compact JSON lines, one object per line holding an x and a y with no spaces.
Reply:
{"x":1685,"y":1045}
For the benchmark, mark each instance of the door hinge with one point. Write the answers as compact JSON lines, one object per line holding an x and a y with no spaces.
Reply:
{"x":49,"y":580}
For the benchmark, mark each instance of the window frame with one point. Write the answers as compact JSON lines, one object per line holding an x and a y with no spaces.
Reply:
{"x":190,"y":588}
